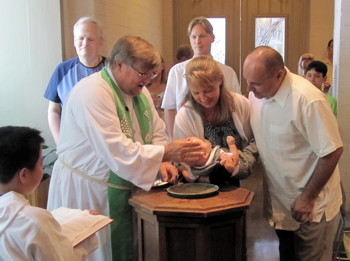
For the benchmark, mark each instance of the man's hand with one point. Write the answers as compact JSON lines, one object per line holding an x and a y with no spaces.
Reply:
{"x":168,"y":172}
{"x":302,"y":209}
{"x":303,"y":205}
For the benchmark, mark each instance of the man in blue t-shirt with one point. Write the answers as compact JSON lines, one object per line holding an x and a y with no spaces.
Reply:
{"x":88,"y":41}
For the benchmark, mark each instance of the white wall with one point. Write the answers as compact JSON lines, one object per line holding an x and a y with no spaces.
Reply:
{"x":341,"y":81}
{"x":30,"y":49}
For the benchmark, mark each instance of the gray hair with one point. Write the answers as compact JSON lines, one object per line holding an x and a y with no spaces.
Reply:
{"x":132,"y":49}
{"x":91,"y":20}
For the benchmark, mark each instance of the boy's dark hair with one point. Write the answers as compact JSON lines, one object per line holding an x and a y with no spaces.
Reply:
{"x":319,"y":67}
{"x":19,"y":148}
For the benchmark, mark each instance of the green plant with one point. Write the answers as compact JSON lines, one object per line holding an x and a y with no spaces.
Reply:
{"x":50,"y":155}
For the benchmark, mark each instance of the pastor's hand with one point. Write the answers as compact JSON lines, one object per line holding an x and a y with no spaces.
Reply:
{"x":168,"y":172}
{"x":183,"y":150}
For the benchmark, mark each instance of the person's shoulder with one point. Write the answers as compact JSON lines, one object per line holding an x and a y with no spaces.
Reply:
{"x":229,"y":75}
{"x":226,"y":68}
{"x":66,"y":65}
{"x":21,"y":212}
{"x":186,"y":111}
{"x":73,"y":60}
{"x":330,"y":97}
{"x":179,"y":67}
{"x":185,"y":107}
{"x":92,"y":81}
{"x":303,"y":88}
{"x":239,"y":96}
{"x":240,"y":100}
{"x":147,"y":93}
{"x":37,"y":214}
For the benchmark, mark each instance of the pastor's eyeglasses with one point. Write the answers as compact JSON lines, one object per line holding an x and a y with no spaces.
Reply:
{"x":142,"y":75}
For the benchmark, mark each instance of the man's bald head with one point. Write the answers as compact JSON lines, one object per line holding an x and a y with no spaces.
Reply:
{"x":267,"y":57}
{"x":264,"y":71}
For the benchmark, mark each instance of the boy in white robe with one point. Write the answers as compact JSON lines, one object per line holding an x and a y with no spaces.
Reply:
{"x":26,"y":232}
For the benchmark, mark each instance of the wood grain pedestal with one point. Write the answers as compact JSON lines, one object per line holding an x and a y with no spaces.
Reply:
{"x":176,"y":229}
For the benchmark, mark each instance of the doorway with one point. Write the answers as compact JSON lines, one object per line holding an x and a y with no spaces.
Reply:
{"x":241,"y":18}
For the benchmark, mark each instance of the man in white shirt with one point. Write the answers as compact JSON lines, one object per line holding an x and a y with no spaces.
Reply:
{"x":201,"y":35}
{"x":299,"y":144}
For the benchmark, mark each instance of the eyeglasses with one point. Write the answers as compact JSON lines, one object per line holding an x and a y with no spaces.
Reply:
{"x":151,"y":75}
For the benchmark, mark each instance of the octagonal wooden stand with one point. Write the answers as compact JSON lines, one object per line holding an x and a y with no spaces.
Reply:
{"x":210,"y":228}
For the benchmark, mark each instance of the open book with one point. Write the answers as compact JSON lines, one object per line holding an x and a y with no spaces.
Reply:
{"x":78,"y":224}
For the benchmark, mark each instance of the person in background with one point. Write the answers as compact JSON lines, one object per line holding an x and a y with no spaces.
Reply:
{"x":88,"y":41}
{"x":26,"y":232}
{"x":201,"y":36}
{"x":212,"y":112}
{"x":183,"y":53}
{"x":316,"y":73}
{"x":157,"y":88}
{"x":299,"y":145}
{"x":328,"y":60}
{"x":304,"y":60}
{"x":113,"y":140}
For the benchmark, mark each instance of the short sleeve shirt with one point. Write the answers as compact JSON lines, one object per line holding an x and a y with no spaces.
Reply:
{"x":293,"y":129}
{"x":65,"y":76}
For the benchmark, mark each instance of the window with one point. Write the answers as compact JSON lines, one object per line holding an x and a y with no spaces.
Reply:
{"x":271,"y":31}
{"x":218,"y":48}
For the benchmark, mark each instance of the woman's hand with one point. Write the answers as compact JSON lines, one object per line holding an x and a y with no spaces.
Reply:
{"x":230,"y":160}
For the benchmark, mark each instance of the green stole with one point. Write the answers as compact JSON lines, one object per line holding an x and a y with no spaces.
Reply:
{"x":122,"y":239}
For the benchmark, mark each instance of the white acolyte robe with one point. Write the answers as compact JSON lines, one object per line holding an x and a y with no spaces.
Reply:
{"x":30,"y":233}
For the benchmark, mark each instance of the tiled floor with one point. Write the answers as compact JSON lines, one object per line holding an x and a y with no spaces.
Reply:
{"x":262,"y":243}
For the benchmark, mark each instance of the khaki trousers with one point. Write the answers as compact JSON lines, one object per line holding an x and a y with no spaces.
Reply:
{"x":311,"y":242}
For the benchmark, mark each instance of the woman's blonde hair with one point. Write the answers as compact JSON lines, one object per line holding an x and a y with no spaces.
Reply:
{"x":206,"y":71}
{"x":303,"y":57}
